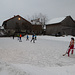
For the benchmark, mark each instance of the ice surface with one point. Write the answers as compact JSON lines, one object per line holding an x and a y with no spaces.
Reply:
{"x":44,"y":57}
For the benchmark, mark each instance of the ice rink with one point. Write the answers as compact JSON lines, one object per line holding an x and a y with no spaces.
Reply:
{"x":46,"y":52}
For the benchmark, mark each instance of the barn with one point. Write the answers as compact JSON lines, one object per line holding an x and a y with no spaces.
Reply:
{"x":61,"y":26}
{"x":17,"y":24}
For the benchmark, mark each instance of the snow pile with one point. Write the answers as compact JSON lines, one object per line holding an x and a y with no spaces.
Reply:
{"x":8,"y":69}
{"x":25,"y":69}
{"x":35,"y":70}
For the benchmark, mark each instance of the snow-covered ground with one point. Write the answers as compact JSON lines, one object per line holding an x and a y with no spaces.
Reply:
{"x":44,"y":57}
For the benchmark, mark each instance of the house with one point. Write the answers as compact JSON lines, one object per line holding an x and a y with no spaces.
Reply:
{"x":61,"y":26}
{"x":17,"y":24}
{"x":37,"y":29}
{"x":36,"y":26}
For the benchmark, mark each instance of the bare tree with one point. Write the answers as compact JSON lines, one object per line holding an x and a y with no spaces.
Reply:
{"x":39,"y":19}
{"x":43,"y":19}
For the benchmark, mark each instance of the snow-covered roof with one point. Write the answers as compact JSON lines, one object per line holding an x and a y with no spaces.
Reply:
{"x":1,"y":27}
{"x":56,"y":20}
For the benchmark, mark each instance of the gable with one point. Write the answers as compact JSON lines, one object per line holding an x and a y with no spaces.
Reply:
{"x":16,"y":21}
{"x":68,"y":21}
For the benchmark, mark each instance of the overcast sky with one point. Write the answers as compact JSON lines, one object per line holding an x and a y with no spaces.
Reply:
{"x":27,"y":8}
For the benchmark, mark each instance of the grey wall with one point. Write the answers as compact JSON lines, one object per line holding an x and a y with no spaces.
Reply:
{"x":67,"y":27}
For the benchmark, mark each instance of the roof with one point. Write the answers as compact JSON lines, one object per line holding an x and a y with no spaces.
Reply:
{"x":56,"y":20}
{"x":16,"y":16}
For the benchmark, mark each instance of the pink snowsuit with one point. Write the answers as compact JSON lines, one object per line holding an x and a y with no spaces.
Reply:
{"x":71,"y":47}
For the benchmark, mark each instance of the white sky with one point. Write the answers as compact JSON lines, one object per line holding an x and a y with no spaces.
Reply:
{"x":27,"y":8}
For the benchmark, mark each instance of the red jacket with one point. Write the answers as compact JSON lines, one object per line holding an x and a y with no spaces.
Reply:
{"x":20,"y":35}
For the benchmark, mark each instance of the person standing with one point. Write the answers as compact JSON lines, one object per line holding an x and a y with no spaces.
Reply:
{"x":71,"y":46}
{"x":13,"y":36}
{"x":27,"y":37}
{"x":20,"y":38}
{"x":33,"y":39}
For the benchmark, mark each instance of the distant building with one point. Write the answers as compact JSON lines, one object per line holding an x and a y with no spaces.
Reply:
{"x":36,"y":26}
{"x":37,"y":29}
{"x":61,"y":26}
{"x":17,"y":24}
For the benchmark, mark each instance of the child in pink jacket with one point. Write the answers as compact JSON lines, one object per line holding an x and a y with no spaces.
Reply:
{"x":71,"y":46}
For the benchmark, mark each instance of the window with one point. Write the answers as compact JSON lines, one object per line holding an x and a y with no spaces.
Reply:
{"x":19,"y":18}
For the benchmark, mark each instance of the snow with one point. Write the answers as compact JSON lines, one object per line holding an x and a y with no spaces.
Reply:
{"x":1,"y":27}
{"x":56,"y":20}
{"x":44,"y":57}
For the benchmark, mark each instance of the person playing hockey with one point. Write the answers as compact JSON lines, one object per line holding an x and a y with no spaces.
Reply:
{"x":71,"y":46}
{"x":20,"y":38}
{"x":33,"y":39}
{"x":27,"y":37}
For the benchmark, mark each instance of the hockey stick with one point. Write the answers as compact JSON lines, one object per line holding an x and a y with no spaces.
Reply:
{"x":66,"y":52}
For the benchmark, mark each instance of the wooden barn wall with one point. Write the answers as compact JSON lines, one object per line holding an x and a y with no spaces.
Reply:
{"x":53,"y":29}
